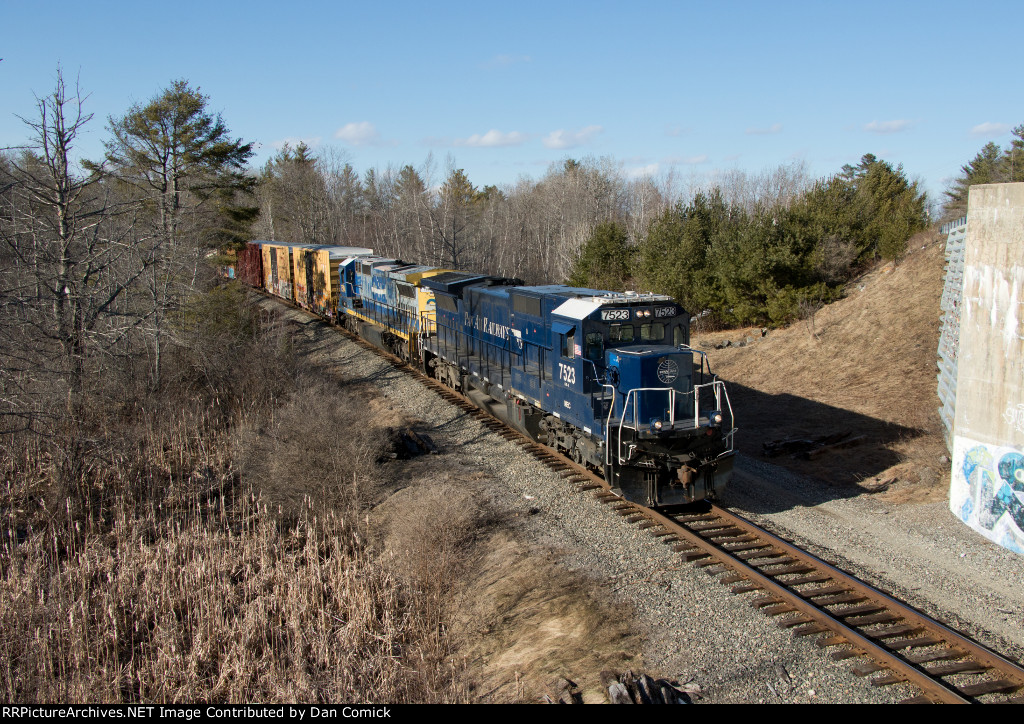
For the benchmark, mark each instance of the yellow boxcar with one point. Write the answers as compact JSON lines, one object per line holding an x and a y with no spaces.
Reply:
{"x":306,"y":274}
{"x":277,"y":268}
{"x":315,"y":271}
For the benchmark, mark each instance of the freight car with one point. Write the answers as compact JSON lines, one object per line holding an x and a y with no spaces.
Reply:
{"x":607,"y":378}
{"x":306,"y":274}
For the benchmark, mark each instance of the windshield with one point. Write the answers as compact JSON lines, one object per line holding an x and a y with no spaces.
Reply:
{"x":626,"y":333}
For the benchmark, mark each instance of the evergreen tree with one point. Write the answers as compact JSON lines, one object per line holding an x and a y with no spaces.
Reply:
{"x":186,"y":170}
{"x":178,"y":154}
{"x":871,"y":207}
{"x":1014,"y":157}
{"x":673,"y":259}
{"x":890,"y":209}
{"x":985,"y":168}
{"x":605,"y":260}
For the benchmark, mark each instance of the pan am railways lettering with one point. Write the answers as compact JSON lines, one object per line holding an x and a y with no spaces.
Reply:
{"x":482,"y":324}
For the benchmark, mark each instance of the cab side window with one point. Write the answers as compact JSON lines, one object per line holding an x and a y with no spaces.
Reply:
{"x":568,"y":344}
{"x":654,"y":332}
{"x":595,"y":346}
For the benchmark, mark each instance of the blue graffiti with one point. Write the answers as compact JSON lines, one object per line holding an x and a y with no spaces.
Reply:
{"x":1011,"y":470}
{"x":978,"y":455}
{"x":966,"y":509}
{"x":994,"y":490}
{"x":1010,"y":541}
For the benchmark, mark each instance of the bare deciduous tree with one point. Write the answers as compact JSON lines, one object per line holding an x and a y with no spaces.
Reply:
{"x":66,"y":283}
{"x":71,"y":262}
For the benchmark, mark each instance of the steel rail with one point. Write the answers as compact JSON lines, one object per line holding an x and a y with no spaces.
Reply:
{"x":979,"y":653}
{"x":860,"y":643}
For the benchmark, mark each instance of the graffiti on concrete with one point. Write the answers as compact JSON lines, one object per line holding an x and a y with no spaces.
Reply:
{"x":1014,"y":416}
{"x":988,"y":491}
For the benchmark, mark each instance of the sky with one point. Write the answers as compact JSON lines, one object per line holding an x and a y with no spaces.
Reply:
{"x":503,"y":91}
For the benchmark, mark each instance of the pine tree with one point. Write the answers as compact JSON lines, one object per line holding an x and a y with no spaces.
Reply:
{"x":605,"y":260}
{"x":987,"y":167}
{"x":177,"y":153}
{"x":185,"y":169}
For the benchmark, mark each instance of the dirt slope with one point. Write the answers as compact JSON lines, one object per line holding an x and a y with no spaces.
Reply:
{"x":864,"y":365}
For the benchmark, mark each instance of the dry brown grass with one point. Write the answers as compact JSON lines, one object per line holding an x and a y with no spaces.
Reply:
{"x":518,"y":619}
{"x":524,"y":621}
{"x":866,"y":363}
{"x":425,"y":536}
{"x":320,"y":443}
{"x":171,"y":576}
{"x":205,"y":604}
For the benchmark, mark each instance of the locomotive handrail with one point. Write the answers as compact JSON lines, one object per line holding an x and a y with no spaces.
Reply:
{"x":705,"y":363}
{"x":717,"y":388}
{"x":720,"y":391}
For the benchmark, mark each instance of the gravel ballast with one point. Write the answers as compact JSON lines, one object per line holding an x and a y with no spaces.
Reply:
{"x":919,"y":553}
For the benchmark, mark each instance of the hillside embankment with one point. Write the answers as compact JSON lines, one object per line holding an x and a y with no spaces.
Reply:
{"x":863,"y":368}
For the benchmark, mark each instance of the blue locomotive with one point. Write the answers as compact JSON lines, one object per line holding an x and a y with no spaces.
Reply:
{"x":607,"y":378}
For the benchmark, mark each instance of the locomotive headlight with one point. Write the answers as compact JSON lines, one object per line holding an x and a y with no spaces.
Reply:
{"x":658,"y":424}
{"x":715,"y":417}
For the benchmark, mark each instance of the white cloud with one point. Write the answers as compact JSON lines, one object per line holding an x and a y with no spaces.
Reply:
{"x":687,"y":160}
{"x":650,"y":169}
{"x":294,"y":141}
{"x":883,"y":127}
{"x":990,"y":130}
{"x":571,"y":139}
{"x":358,"y":134}
{"x":492,"y":139}
{"x":676,"y":131}
{"x":774,"y":128}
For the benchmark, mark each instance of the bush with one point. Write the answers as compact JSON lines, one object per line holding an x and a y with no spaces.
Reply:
{"x":320,"y":444}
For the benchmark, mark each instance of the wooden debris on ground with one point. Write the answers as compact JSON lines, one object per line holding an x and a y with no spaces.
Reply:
{"x":818,"y":452}
{"x":630,"y":688}
{"x":567,"y":693}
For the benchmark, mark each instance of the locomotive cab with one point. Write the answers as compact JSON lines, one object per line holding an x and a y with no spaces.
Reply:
{"x":666,"y":421}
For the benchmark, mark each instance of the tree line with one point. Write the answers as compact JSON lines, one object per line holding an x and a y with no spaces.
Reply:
{"x":99,"y":258}
{"x":748,"y":249}
{"x":765,"y":262}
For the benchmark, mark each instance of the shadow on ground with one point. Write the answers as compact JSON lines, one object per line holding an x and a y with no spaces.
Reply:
{"x":763,"y":418}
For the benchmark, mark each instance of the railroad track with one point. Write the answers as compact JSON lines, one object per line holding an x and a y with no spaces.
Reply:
{"x":883,"y":638}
